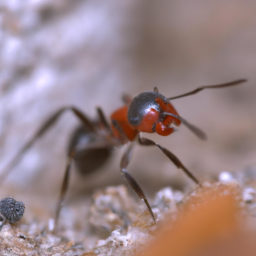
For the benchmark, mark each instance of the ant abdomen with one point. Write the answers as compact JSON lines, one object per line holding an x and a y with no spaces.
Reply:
{"x":88,"y":159}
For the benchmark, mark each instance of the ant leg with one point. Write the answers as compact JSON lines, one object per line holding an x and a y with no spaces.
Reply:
{"x":131,"y":181}
{"x":103,"y":120}
{"x":48,"y":123}
{"x":121,"y":132}
{"x":123,"y":165}
{"x":64,"y":186}
{"x":170,"y":155}
{"x":65,"y":182}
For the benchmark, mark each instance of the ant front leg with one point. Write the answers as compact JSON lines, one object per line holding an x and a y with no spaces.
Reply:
{"x":170,"y":155}
{"x":48,"y":123}
{"x":131,"y":181}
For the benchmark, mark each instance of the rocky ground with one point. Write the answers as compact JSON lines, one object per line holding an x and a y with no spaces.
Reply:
{"x":120,"y":224}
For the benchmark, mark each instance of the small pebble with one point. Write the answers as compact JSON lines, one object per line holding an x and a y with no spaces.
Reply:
{"x":11,"y":210}
{"x":226,"y":177}
{"x":249,"y":195}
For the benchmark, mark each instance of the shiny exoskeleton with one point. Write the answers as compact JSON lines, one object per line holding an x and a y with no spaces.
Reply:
{"x":148,"y":112}
{"x":90,"y":159}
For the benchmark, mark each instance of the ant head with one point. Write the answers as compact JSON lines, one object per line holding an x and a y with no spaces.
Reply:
{"x":146,"y":113}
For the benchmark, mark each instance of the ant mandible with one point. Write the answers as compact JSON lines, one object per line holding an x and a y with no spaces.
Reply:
{"x":148,"y":112}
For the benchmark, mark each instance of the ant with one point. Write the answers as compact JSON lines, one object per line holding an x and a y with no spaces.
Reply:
{"x":148,"y":112}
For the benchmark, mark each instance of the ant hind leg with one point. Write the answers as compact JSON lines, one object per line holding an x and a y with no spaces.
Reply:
{"x":45,"y":126}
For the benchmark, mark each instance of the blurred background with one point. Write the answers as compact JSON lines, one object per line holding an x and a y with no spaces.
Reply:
{"x":88,"y":53}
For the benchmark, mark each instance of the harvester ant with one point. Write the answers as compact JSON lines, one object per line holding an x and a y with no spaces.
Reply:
{"x":148,"y":112}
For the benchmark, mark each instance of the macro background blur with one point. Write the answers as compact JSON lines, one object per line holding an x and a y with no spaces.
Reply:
{"x":89,"y":53}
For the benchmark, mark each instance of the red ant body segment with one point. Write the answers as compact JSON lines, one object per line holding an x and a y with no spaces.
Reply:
{"x":120,"y":118}
{"x":148,"y":112}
